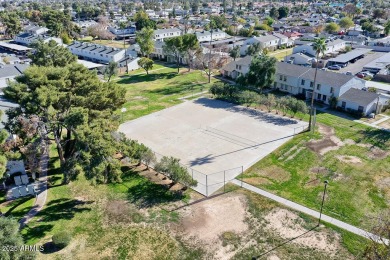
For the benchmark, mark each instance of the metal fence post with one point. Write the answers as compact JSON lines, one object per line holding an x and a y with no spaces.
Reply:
{"x":207,"y":188}
{"x":242,"y":171}
{"x":224,"y":182}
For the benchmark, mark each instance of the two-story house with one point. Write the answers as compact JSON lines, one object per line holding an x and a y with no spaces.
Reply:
{"x":205,"y":36}
{"x":161,"y":34}
{"x":125,"y":32}
{"x":269,"y":42}
{"x":332,"y":46}
{"x":96,"y":53}
{"x":297,"y":80}
{"x":34,"y":33}
{"x":236,"y":68}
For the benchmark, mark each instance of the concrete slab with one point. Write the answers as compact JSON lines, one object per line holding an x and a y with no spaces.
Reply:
{"x":211,"y":136}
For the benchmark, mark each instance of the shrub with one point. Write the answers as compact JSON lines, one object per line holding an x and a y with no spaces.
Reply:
{"x":61,"y":239}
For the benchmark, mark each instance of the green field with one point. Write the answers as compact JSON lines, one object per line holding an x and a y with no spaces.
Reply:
{"x":355,"y":192}
{"x":160,"y":89}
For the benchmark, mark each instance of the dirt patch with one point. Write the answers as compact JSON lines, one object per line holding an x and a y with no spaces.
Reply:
{"x":319,"y":170}
{"x":257,"y":181}
{"x":383,"y":183}
{"x":120,"y":211}
{"x":377,"y":153}
{"x":313,"y":183}
{"x":155,"y":177}
{"x":328,"y":143}
{"x":275,"y":173}
{"x":209,"y":219}
{"x":289,"y":225}
{"x":349,"y":159}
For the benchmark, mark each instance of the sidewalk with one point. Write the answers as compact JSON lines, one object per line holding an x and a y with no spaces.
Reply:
{"x":41,"y":190}
{"x":310,"y":212}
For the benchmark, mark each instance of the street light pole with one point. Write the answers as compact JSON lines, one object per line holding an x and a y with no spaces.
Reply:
{"x":322,"y":204}
{"x":211,"y":39}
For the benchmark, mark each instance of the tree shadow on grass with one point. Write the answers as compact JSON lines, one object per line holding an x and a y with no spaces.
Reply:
{"x":148,"y":194}
{"x":377,"y":137}
{"x":55,"y":210}
{"x":175,"y":89}
{"x":36,"y":232}
{"x":16,"y":203}
{"x":63,"y":209}
{"x":147,"y":78}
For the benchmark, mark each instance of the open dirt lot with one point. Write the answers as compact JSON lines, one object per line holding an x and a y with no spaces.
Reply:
{"x":211,"y":136}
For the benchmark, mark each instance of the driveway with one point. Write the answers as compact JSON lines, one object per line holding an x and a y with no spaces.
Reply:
{"x":359,"y":64}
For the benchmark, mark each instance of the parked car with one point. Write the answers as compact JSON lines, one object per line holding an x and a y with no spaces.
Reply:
{"x":364,"y":74}
{"x":334,"y":67}
{"x":348,"y":73}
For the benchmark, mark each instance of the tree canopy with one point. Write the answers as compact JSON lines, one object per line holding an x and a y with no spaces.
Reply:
{"x":51,"y":54}
{"x":261,"y":72}
{"x":146,"y":64}
{"x":145,"y":41}
{"x":76,"y":109}
{"x":332,"y":28}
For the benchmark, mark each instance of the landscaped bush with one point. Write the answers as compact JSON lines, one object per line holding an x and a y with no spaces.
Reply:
{"x":242,"y":96}
{"x":61,"y":239}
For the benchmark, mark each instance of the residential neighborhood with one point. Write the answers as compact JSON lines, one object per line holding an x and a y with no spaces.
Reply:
{"x":195,"y":129}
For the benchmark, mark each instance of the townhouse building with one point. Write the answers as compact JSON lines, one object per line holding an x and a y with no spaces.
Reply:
{"x":332,"y":46}
{"x":205,"y":36}
{"x":161,"y":34}
{"x":299,"y":80}
{"x":96,"y":53}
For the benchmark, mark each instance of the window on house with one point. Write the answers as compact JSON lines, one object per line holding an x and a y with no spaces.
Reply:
{"x":319,"y":96}
{"x":343,"y":104}
{"x":284,"y":78}
{"x":311,"y":84}
{"x":331,"y":90}
{"x":285,"y":87}
{"x":302,"y":82}
{"x":280,"y":77}
{"x":324,"y":97}
{"x":360,"y":108}
{"x":318,"y":86}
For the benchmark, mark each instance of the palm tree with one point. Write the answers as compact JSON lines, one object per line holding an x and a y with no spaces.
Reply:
{"x":319,"y":46}
{"x":387,"y":28}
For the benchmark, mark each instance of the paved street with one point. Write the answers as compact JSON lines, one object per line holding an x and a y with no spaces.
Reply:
{"x":308,"y":211}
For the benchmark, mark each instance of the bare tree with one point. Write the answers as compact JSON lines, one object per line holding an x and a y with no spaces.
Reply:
{"x":208,"y":62}
{"x":379,"y":246}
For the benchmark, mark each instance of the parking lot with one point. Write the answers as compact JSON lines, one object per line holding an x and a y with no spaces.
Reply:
{"x":359,"y":64}
{"x":211,"y":136}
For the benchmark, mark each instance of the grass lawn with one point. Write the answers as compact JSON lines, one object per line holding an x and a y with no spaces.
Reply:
{"x":106,"y":218}
{"x":281,"y":54}
{"x":160,"y":89}
{"x":354,"y":193}
{"x":113,"y":43}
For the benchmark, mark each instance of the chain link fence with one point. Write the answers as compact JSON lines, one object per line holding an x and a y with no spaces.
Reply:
{"x":207,"y":184}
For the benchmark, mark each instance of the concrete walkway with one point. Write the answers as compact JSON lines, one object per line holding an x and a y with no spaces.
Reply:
{"x":41,"y":190}
{"x":310,"y":212}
